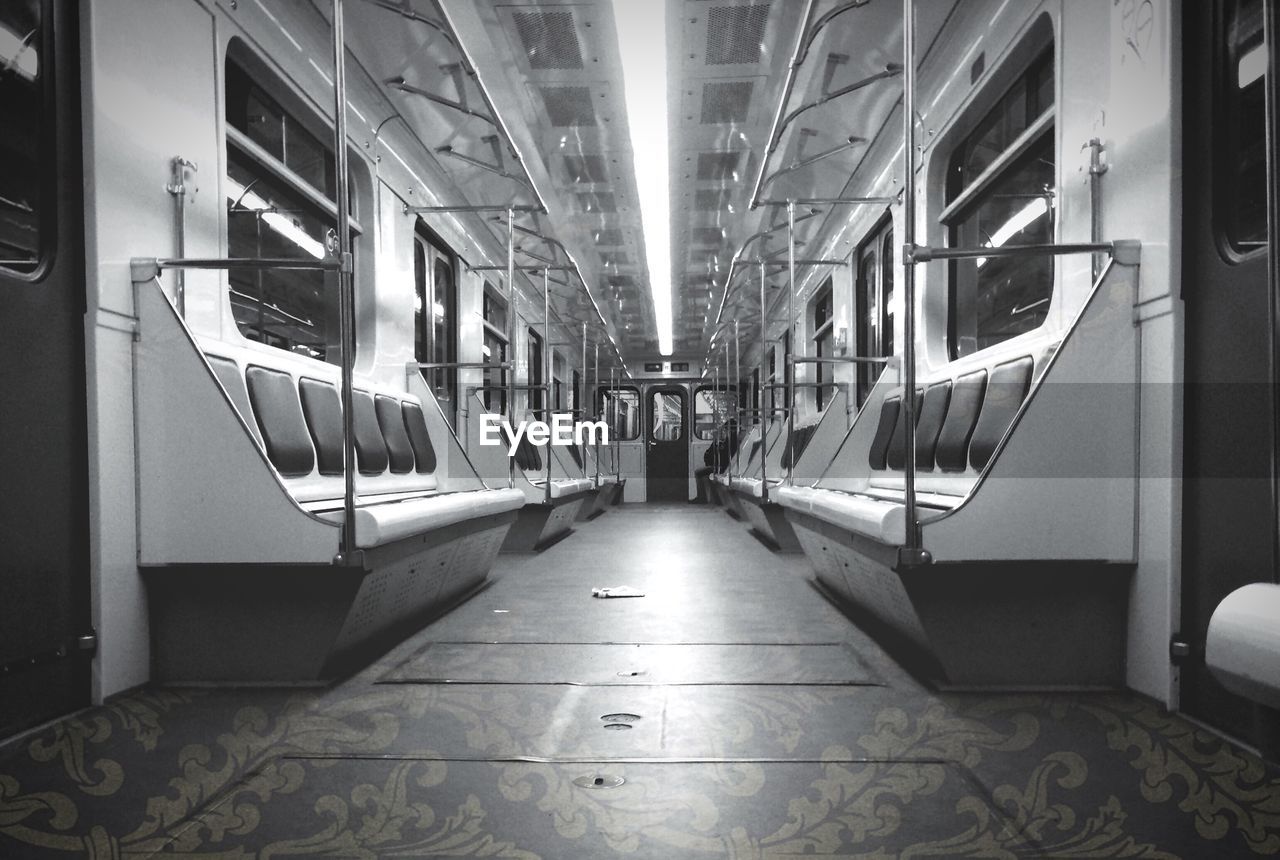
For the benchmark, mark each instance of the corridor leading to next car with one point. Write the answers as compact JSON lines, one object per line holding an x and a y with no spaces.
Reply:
{"x":731,"y":711}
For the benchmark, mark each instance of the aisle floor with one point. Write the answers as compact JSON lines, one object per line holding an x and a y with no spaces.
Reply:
{"x":730,"y":712}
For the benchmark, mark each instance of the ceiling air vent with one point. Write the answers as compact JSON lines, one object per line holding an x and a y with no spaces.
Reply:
{"x":586,"y":168}
{"x":569,"y":107}
{"x":719,"y":166}
{"x":726,"y":101}
{"x":550,"y":41}
{"x":597,"y":202}
{"x":735,"y":34}
{"x":613,"y":258}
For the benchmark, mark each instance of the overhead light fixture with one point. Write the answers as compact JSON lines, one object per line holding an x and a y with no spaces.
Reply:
{"x":642,"y":39}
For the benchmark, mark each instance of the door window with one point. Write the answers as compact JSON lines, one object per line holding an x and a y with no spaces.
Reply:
{"x":668,"y":416}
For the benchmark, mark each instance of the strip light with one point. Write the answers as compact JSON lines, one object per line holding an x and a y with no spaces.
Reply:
{"x":642,"y":43}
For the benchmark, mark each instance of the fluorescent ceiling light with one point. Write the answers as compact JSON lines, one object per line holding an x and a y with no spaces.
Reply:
{"x":642,"y":43}
{"x":19,"y":54}
{"x":277,"y":222}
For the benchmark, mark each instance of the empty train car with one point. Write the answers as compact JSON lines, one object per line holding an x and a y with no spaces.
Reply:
{"x":644,"y":428}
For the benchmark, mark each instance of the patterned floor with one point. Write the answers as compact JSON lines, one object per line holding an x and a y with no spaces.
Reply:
{"x":634,"y":752}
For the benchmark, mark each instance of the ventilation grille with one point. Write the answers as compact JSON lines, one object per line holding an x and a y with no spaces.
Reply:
{"x":622,"y":281}
{"x":726,"y":101}
{"x":711,"y":200}
{"x":613,"y":258}
{"x":716,"y":166}
{"x":569,"y":107}
{"x":602,"y":201}
{"x":586,"y":168}
{"x":607,"y":236}
{"x":549,"y":40}
{"x":735,"y":34}
{"x":707,"y":236}
{"x":701,"y":258}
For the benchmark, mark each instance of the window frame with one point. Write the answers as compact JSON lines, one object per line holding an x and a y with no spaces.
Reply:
{"x":697,"y":392}
{"x":604,"y":391}
{"x":274,"y":87}
{"x":823,"y":336}
{"x":46,"y":220}
{"x":493,"y":334}
{"x":1224,"y":151}
{"x":534,"y":398}
{"x":436,"y":253}
{"x":1036,"y":58}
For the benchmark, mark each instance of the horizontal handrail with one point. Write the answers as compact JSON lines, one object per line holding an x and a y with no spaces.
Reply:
{"x":924,"y":254}
{"x":839,"y":359}
{"x":445,"y":365}
{"x":148,"y":268}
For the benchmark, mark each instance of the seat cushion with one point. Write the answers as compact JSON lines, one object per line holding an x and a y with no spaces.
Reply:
{"x":394,"y":434}
{"x":952,"y":453}
{"x":228,"y":373}
{"x":933,"y":412}
{"x":424,"y":453}
{"x":882,"y":521}
{"x":371,"y":449}
{"x":1004,"y":396}
{"x":877,"y":457}
{"x":563,"y":487}
{"x":279,"y":416}
{"x":323,"y":409}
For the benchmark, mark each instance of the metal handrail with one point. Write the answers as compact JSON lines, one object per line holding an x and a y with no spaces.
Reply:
{"x":840,"y":359}
{"x":924,"y":254}
{"x":466,"y":365}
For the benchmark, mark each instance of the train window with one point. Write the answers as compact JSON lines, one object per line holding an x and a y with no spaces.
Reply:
{"x":711,"y":408}
{"x":575,"y":399}
{"x":1000,"y":190}
{"x":535,"y":373}
{"x":1242,"y":191}
{"x":26,"y":163}
{"x":771,"y":393}
{"x":435,"y":320}
{"x":280,"y":203}
{"x":823,"y":337}
{"x":621,"y":409}
{"x":494,"y":350}
{"x":874,"y":304}
{"x":668,"y":416}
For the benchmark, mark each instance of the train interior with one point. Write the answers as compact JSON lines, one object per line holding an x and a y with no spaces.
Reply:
{"x":646,"y":428}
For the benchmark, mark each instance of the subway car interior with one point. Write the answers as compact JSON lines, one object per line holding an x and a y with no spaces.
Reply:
{"x":639,"y":428}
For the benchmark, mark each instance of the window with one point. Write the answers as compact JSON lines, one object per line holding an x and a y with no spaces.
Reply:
{"x":770,"y":393}
{"x":280,"y":203}
{"x":823,"y":339}
{"x":874,"y":304}
{"x":1241,"y":195}
{"x":712,"y":407}
{"x":667,"y":409}
{"x":621,"y":409}
{"x":494,"y":350}
{"x":26,"y":150}
{"x":435,"y":320}
{"x":1000,"y":191}
{"x":575,"y":393}
{"x":535,"y":374}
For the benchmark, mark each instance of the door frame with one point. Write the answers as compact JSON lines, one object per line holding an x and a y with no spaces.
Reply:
{"x":666,"y":484}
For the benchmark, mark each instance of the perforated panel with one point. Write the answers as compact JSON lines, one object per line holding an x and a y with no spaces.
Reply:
{"x":569,"y":107}
{"x":710,"y":200}
{"x":608,"y":236}
{"x":549,"y":39}
{"x":707,"y":235}
{"x":716,"y":166}
{"x":614,"y":258}
{"x":726,"y":101}
{"x":735,"y":34}
{"x":602,"y":201}
{"x":586,"y":168}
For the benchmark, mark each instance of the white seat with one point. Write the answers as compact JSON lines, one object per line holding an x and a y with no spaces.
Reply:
{"x":561,"y":487}
{"x":390,"y":521}
{"x":877,"y":519}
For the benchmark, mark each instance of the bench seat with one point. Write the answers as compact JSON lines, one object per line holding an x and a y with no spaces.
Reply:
{"x":387,"y":521}
{"x":877,"y":519}
{"x":565,"y":487}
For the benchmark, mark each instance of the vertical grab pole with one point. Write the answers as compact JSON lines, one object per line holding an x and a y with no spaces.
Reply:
{"x":715,"y":413}
{"x":724,"y":410}
{"x":579,"y":408}
{"x":911,"y":554}
{"x":791,"y":328}
{"x":545,"y":396}
{"x":346,"y":287}
{"x":511,"y":336}
{"x":617,"y":438}
{"x":595,"y":411}
{"x":737,"y":390}
{"x":764,"y":342}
